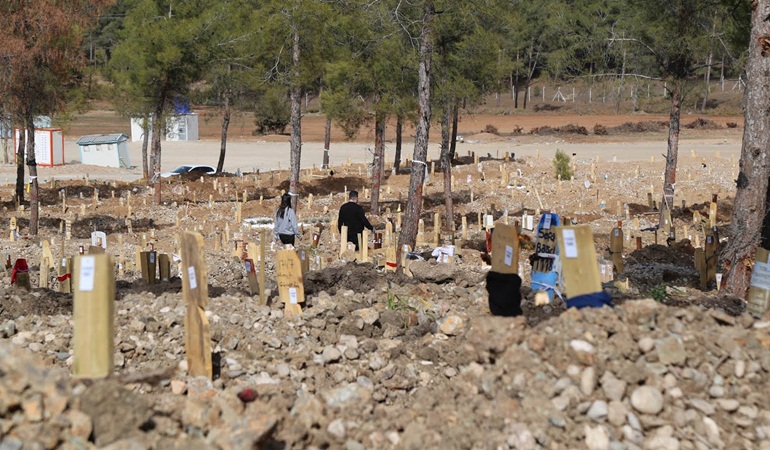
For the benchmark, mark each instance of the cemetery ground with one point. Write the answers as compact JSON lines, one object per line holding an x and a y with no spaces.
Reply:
{"x":384,"y":360}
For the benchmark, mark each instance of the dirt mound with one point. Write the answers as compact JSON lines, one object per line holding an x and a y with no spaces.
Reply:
{"x":328,"y":185}
{"x":359,"y":278}
{"x":703,"y":124}
{"x":681,"y":253}
{"x":637,"y":127}
{"x":566,"y":129}
{"x":484,"y":138}
{"x":42,"y":302}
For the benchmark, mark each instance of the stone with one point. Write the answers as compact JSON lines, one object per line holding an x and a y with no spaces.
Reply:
{"x":671,"y":351}
{"x":370,"y":316}
{"x":81,"y":425}
{"x":740,"y":368}
{"x":712,"y":432}
{"x":350,"y":444}
{"x":178,"y":387}
{"x":336,"y":428}
{"x":647,"y":400}
{"x":200,"y":388}
{"x":588,"y":381}
{"x":702,"y":406}
{"x":598,"y":410}
{"x":33,"y":408}
{"x":521,"y":437}
{"x":646,"y":344}
{"x":597,"y":438}
{"x":616,"y":413}
{"x":613,"y":388}
{"x":728,"y":405}
{"x":662,"y":443}
{"x":330,"y":355}
{"x":452,"y":325}
{"x":352,"y":393}
{"x":583,"y":351}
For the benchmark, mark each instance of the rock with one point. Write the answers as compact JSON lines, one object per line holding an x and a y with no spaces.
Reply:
{"x":613,"y":388}
{"x":352,"y":393}
{"x":616,"y":413}
{"x":337,"y":429}
{"x":598,"y":410}
{"x":521,"y":437}
{"x":712,"y":432}
{"x":740,"y":368}
{"x":647,"y":400}
{"x":662,"y":443}
{"x":728,"y":404}
{"x":331,"y":355}
{"x":646,"y":344}
{"x":583,"y":351}
{"x":588,"y":381}
{"x":178,"y":387}
{"x":33,"y":408}
{"x":451,"y":325}
{"x":81,"y":425}
{"x":370,"y":316}
{"x":8,"y":329}
{"x":702,"y":406}
{"x":114,"y":410}
{"x":350,"y":444}
{"x":671,"y":351}
{"x":597,"y":438}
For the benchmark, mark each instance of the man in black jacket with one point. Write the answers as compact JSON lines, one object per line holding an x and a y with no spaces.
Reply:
{"x":352,"y":216}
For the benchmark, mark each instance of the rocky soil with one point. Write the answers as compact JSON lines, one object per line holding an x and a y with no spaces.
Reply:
{"x":380,"y":360}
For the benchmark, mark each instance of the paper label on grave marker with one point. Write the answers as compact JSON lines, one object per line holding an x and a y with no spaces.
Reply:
{"x":547,"y":222}
{"x":570,"y":244}
{"x":760,"y":277}
{"x":87,"y":268}
{"x":293,"y":296}
{"x":508,"y":255}
{"x":152,"y":258}
{"x":191,"y":277}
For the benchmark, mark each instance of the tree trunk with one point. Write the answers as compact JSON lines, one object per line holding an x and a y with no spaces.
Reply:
{"x":414,"y":204}
{"x":379,"y":157}
{"x":225,"y":125}
{"x":155,"y":156}
{"x":446,"y":164}
{"x":453,"y":141}
{"x":145,"y":141}
{"x":296,"y":122}
{"x":34,"y":204}
{"x":20,"y":156}
{"x":669,"y":178}
{"x":327,"y":141}
{"x":399,"y":140}
{"x":708,"y":83}
{"x":750,"y":206}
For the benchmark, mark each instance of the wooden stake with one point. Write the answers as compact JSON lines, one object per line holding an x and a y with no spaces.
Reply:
{"x":195,"y":292}
{"x":343,"y":239}
{"x":578,"y":256}
{"x":94,"y":316}
{"x":616,"y":248}
{"x":290,"y":285}
{"x":505,"y":249}
{"x":262,"y":268}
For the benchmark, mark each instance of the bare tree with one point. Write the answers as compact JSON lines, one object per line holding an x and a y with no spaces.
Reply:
{"x":751,"y":199}
{"x":414,"y":204}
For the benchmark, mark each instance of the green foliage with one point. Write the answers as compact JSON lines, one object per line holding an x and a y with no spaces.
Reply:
{"x":561,"y":164}
{"x":658,"y":292}
{"x":272,"y":112}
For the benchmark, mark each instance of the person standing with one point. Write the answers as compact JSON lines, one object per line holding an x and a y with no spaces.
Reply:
{"x":352,"y":215}
{"x":286,"y":228}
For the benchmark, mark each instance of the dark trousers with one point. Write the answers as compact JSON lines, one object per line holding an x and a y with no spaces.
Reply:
{"x":286,"y":239}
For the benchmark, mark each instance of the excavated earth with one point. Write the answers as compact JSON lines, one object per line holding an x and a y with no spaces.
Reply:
{"x":383,"y":360}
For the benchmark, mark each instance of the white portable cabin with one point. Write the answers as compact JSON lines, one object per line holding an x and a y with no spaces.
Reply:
{"x":182,"y":127}
{"x":49,"y":146}
{"x":107,"y":150}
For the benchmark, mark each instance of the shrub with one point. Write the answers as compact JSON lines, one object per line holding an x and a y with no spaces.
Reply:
{"x":272,"y":113}
{"x":490,"y":129}
{"x":561,"y":164}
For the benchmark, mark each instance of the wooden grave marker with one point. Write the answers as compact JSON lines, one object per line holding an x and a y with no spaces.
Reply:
{"x":195,"y":293}
{"x":13,"y":228}
{"x":578,"y":260}
{"x":616,"y":247}
{"x":291,"y":289}
{"x":713,"y":212}
{"x":148,"y":263}
{"x":343,"y":240}
{"x":505,"y":249}
{"x":759,"y":291}
{"x":251,"y":276}
{"x":164,"y":267}
{"x":94,"y":316}
{"x":304,"y":259}
{"x":262,"y":266}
